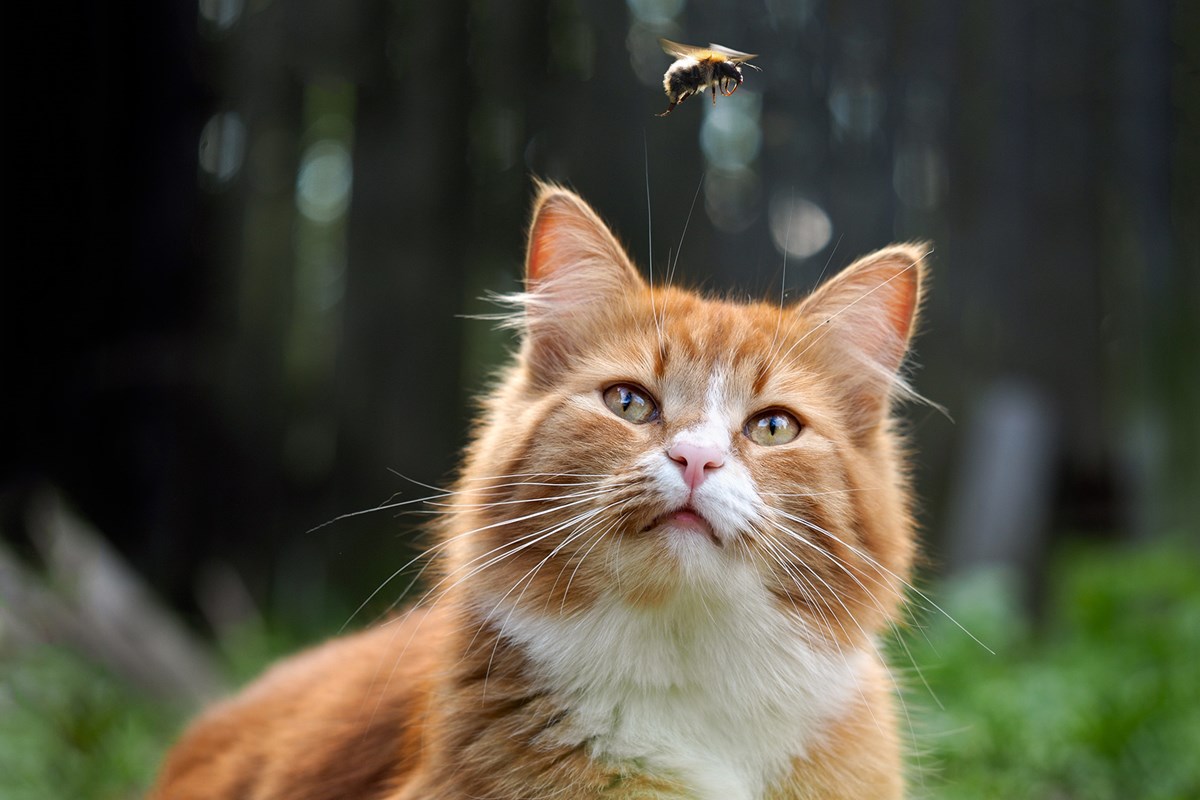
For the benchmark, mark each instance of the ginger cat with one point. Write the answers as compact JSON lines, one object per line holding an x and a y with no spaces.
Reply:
{"x":679,"y":529}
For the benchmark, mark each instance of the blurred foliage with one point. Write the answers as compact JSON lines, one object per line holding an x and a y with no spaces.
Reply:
{"x":71,"y":729}
{"x":1099,"y":700}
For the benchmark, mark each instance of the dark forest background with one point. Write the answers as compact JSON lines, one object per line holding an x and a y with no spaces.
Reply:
{"x":241,"y":238}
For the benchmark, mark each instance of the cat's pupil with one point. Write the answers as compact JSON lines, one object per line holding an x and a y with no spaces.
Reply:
{"x":630,"y":404}
{"x":770,"y":428}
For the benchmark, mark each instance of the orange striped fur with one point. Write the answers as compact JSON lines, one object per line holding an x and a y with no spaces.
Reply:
{"x":598,"y":626}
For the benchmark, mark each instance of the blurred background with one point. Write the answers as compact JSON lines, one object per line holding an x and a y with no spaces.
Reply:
{"x":244,"y":235}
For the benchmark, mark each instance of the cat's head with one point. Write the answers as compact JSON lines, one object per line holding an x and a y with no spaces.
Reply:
{"x":650,"y":441}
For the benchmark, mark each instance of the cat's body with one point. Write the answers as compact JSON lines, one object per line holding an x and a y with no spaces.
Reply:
{"x":677,"y":533}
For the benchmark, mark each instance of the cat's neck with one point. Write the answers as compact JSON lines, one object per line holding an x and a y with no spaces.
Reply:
{"x":714,"y":685}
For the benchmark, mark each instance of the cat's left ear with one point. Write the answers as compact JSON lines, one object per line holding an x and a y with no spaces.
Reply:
{"x":861,"y":323}
{"x":574,"y":269}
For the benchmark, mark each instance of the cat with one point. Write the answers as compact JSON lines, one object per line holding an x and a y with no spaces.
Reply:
{"x":680,"y":527}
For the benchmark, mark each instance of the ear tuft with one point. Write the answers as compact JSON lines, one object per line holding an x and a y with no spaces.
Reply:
{"x":574,"y":269}
{"x":566,"y":236}
{"x":870,"y":309}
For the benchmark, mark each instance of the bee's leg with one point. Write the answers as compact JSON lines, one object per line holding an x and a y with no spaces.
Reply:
{"x":734,"y":89}
{"x":714,"y":94}
{"x":670,"y":108}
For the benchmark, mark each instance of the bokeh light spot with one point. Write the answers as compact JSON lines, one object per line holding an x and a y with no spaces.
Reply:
{"x":799,"y":227}
{"x":221,"y":14}
{"x":222,"y":146}
{"x":323,"y":181}
{"x":731,"y":136}
{"x":655,"y":12}
{"x":732,"y":199}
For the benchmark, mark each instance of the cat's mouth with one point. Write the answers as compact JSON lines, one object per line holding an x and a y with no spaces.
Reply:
{"x":685,"y":518}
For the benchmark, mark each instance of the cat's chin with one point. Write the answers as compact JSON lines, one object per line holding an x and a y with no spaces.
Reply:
{"x":685,"y":522}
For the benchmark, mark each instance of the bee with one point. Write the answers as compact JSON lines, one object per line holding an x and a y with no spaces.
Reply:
{"x":697,"y":68}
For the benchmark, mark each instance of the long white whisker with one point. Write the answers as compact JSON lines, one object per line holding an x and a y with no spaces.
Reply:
{"x":837,"y":597}
{"x":497,"y":503}
{"x":834,"y":559}
{"x":887,"y":669}
{"x":384,"y":507}
{"x":540,"y":475}
{"x":816,"y":494}
{"x":591,"y":544}
{"x":807,"y":591}
{"x":441,"y":546}
{"x":527,"y":578}
{"x":570,"y":539}
{"x":529,"y":539}
{"x":787,"y":241}
{"x":833,"y":592}
{"x":882,"y":569}
{"x":829,"y":260}
{"x":650,"y":236}
{"x":671,"y":269}
{"x":825,"y":325}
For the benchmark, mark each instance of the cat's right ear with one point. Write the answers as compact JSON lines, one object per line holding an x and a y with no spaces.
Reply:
{"x":574,"y":269}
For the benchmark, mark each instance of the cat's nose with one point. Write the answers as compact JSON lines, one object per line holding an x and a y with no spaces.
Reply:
{"x":697,"y":460}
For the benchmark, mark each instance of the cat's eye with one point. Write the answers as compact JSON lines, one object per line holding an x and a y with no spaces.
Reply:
{"x":772,"y":427}
{"x":630,"y":403}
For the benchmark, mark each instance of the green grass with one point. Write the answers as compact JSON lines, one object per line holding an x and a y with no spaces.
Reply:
{"x":1099,"y":700}
{"x":70,"y":730}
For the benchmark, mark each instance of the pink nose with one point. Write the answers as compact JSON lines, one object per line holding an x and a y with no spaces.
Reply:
{"x":697,"y":460}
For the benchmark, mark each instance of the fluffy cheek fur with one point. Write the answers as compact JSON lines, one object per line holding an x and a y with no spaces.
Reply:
{"x":548,"y":506}
{"x":564,"y":492}
{"x":822,"y":540}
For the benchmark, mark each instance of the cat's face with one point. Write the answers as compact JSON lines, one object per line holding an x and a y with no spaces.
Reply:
{"x":652,"y":442}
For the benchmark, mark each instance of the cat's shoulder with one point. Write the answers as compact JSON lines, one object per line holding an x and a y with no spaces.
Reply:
{"x":324,"y":723}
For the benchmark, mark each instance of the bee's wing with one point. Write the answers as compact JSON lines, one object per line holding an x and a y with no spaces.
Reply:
{"x":685,"y":50}
{"x":733,"y":55}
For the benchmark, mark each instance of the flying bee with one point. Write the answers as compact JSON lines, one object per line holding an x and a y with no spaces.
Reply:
{"x":697,"y":68}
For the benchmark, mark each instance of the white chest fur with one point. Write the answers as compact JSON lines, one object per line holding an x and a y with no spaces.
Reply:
{"x":716,"y":689}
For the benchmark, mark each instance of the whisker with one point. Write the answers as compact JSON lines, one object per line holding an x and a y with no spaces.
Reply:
{"x":678,"y":250}
{"x":441,"y":546}
{"x":853,"y":619}
{"x":519,"y":501}
{"x":540,"y":475}
{"x":912,"y":660}
{"x":522,"y":542}
{"x":386,"y":507}
{"x":444,"y":493}
{"x":529,"y":540}
{"x":787,"y":240}
{"x":595,"y":540}
{"x":817,"y":494}
{"x":807,"y":590}
{"x":887,"y":668}
{"x":882,"y":569}
{"x":527,"y":579}
{"x":829,"y":260}
{"x":650,"y":236}
{"x":832,"y":592}
{"x":825,"y":327}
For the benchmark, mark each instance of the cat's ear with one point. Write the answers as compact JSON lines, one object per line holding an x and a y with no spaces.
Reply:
{"x":574,"y":269}
{"x":860,"y":324}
